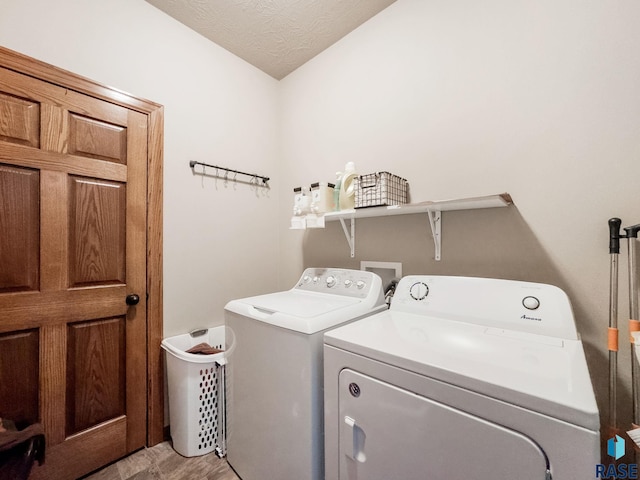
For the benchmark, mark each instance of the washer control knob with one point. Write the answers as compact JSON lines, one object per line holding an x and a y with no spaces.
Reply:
{"x":361,"y":284}
{"x":315,"y":279}
{"x":306,"y":279}
{"x":419,"y":291}
{"x":348,"y":283}
{"x":331,"y":281}
{"x":530,"y":303}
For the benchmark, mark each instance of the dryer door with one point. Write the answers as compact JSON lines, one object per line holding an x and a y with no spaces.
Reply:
{"x":387,"y":432}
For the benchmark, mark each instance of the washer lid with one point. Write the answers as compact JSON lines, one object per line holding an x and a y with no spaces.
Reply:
{"x":304,"y":312}
{"x":543,"y":374}
{"x":299,"y":304}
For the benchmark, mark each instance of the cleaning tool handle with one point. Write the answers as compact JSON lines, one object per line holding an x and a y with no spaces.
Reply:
{"x":614,"y":235}
{"x":612,"y":339}
{"x":632,"y":232}
{"x":634,"y":326}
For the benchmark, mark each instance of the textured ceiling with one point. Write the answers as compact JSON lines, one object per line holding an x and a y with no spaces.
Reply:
{"x":277,"y":36}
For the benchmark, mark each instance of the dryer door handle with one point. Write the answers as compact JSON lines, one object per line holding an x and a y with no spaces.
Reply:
{"x":354,"y":440}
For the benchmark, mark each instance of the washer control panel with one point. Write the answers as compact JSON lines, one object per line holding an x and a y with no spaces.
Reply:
{"x":339,"y":281}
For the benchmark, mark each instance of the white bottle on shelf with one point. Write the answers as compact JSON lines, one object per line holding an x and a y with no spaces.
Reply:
{"x":347,"y":187}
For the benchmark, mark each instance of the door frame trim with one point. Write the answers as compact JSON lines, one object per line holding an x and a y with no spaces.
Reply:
{"x":155,"y":122}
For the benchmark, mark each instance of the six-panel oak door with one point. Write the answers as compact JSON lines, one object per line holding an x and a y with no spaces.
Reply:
{"x":73,"y":179}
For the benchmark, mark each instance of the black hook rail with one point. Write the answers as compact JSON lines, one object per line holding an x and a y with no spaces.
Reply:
{"x":193,"y":163}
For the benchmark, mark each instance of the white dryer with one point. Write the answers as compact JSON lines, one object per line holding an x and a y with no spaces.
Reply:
{"x":462,"y":378}
{"x":274,"y":374}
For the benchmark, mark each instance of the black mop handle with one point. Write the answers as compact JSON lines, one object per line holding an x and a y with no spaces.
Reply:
{"x":614,"y":235}
{"x":612,"y":340}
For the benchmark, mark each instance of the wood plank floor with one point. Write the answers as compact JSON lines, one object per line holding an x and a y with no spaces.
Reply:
{"x":161,"y":462}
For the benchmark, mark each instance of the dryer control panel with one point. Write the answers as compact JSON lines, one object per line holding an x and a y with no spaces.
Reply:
{"x":340,"y":281}
{"x":500,"y":305}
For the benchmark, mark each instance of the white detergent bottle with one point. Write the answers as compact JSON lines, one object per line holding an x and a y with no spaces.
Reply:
{"x":347,"y":187}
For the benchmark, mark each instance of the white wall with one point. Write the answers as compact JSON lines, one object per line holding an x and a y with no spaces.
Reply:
{"x":218,"y":109}
{"x":538,"y":99}
{"x":465,"y":98}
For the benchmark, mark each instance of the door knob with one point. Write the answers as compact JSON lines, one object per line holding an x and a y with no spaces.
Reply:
{"x":132,"y":299}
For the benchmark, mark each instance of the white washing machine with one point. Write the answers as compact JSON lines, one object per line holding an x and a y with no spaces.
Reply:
{"x":462,"y":378}
{"x":275,"y":398}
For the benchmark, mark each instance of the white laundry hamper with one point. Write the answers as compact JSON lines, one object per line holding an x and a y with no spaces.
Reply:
{"x":197,"y":392}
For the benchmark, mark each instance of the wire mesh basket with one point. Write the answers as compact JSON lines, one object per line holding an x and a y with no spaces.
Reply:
{"x":378,"y":189}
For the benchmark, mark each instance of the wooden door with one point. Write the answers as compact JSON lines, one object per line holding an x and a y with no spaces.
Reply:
{"x":73,"y":180}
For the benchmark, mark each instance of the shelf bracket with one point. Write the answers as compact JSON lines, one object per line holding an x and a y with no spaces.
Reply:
{"x":435,"y":222}
{"x":350,"y":235}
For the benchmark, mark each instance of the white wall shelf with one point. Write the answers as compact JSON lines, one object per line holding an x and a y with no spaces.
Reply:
{"x":433,"y":209}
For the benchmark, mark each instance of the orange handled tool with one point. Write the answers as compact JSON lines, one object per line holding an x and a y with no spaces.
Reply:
{"x":614,"y":250}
